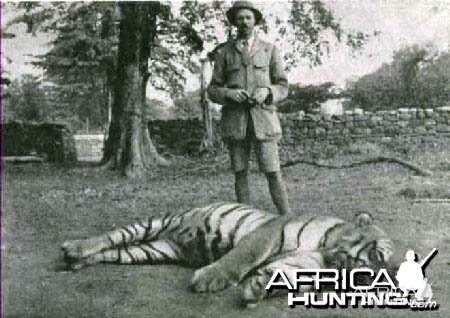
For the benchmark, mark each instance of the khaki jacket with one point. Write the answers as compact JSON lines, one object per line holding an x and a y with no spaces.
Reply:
{"x":264,"y":69}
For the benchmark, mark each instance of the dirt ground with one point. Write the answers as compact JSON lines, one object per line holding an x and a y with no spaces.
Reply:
{"x":43,"y":205}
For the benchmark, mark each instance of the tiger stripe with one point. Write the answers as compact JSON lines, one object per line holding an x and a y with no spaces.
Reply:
{"x":213,"y":230}
{"x":164,"y":249}
{"x":328,"y":232}
{"x":128,"y":233}
{"x":148,"y":251}
{"x":292,"y":231}
{"x":125,"y":237}
{"x":300,"y":232}
{"x":312,"y":232}
{"x":238,"y":232}
{"x":249,"y":224}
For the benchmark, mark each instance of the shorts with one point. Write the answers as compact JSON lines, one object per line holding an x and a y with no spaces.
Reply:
{"x":266,"y":153}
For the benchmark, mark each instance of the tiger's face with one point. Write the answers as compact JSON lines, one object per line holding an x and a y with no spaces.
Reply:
{"x":360,"y":244}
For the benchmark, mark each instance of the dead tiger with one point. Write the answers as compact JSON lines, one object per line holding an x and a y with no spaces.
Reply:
{"x":237,"y":244}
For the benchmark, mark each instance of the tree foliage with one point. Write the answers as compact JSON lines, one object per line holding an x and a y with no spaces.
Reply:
{"x":306,"y":98}
{"x":29,"y":99}
{"x":25,"y":99}
{"x":416,"y":77}
{"x":82,"y":59}
{"x":300,"y":32}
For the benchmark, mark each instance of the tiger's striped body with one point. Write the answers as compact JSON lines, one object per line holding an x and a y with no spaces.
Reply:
{"x":196,"y":238}
{"x":235,"y":244}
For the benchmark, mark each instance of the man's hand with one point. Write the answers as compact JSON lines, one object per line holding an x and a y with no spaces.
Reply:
{"x":237,"y":95}
{"x":261,"y":94}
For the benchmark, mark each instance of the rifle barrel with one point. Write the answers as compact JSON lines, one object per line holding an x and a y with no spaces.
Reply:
{"x":423,"y":261}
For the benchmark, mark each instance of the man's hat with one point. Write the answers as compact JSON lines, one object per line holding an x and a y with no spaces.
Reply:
{"x":231,"y":13}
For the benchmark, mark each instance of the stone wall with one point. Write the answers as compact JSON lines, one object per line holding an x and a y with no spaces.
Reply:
{"x":52,"y":141}
{"x":403,"y":127}
{"x":89,"y":147}
{"x":178,"y":136}
{"x":316,"y":133}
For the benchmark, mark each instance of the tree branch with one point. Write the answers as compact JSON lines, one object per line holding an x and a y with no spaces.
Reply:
{"x":407,"y":164}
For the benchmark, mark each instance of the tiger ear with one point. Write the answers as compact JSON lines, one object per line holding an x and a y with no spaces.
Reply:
{"x":363,"y":219}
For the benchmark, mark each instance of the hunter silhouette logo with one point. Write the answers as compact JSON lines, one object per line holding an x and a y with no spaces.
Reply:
{"x":411,"y":276}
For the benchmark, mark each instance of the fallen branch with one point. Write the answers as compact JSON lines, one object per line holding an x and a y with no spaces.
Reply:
{"x":180,"y":157}
{"x":211,"y":167}
{"x":431,"y":201}
{"x":377,"y":159}
{"x":24,"y":159}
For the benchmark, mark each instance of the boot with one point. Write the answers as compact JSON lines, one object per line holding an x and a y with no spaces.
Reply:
{"x":278,"y":192}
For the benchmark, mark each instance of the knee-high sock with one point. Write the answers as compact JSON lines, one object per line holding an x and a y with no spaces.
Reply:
{"x":241,"y":187}
{"x":278,"y":192}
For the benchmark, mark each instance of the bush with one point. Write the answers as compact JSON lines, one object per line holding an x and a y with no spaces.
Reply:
{"x":416,"y":78}
{"x":24,"y":99}
{"x":306,"y":98}
{"x":55,"y":142}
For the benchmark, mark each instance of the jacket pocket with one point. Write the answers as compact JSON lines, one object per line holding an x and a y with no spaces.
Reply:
{"x":266,"y":123}
{"x":233,"y":76}
{"x":262,"y":72}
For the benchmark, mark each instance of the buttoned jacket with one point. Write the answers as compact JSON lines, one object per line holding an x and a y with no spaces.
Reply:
{"x":263,"y":68}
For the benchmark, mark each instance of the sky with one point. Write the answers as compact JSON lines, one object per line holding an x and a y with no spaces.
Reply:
{"x":400,"y":23}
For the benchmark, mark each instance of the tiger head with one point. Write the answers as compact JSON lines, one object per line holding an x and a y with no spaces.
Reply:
{"x":359,"y":244}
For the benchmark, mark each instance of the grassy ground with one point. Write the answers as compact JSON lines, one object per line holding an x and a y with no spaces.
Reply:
{"x":44,"y":205}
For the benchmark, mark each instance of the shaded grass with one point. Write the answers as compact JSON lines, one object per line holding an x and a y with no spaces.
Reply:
{"x":45,"y":205}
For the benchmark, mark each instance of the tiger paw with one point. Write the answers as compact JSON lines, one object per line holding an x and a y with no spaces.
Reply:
{"x":76,"y":265}
{"x":210,"y":279}
{"x":78,"y":249}
{"x":253,"y":290}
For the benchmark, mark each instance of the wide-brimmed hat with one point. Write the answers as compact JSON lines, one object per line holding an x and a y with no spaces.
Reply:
{"x":231,"y":13}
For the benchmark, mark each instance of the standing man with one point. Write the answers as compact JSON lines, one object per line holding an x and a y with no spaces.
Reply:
{"x":248,"y":79}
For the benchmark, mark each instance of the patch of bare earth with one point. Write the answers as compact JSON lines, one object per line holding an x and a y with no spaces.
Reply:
{"x":44,"y":205}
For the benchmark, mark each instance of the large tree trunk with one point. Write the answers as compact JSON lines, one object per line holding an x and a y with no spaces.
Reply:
{"x":129,"y":147}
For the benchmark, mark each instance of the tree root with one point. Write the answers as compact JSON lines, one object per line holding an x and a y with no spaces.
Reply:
{"x":106,"y":165}
{"x":407,"y":164}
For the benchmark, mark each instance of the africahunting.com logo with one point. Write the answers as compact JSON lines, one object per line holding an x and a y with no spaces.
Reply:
{"x":413,"y":290}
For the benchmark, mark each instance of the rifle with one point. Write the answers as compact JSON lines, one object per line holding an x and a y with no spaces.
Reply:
{"x":428,"y":257}
{"x":426,"y":292}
